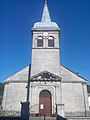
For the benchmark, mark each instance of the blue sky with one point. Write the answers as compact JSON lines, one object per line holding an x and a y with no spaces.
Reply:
{"x":17,"y":17}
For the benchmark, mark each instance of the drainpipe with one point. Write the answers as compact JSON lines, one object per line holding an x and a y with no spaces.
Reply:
{"x":84,"y":98}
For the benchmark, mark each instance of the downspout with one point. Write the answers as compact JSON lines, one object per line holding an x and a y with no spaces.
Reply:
{"x":84,"y":98}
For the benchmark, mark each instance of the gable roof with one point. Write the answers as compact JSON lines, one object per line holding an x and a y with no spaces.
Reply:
{"x":66,"y":74}
{"x":20,"y":76}
{"x":69,"y":75}
{"x":45,"y":76}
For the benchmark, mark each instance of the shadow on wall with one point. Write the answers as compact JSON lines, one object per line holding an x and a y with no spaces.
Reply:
{"x":60,"y":118}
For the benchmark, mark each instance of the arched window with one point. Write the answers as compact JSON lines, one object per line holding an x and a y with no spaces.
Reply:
{"x":51,"y":41}
{"x":40,"y":41}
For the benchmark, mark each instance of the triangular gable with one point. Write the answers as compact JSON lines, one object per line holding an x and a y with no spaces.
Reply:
{"x":19,"y":76}
{"x":45,"y":76}
{"x":68,"y":75}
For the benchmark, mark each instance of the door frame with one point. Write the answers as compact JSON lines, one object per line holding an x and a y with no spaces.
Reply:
{"x":45,"y":94}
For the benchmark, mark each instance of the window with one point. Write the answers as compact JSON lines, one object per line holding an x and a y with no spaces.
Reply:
{"x":50,"y":42}
{"x":40,"y":42}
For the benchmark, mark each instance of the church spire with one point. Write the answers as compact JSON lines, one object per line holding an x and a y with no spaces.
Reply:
{"x":46,"y":22}
{"x":46,"y":16}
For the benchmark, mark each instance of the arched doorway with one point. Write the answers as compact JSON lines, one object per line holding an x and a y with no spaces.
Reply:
{"x":45,"y":103}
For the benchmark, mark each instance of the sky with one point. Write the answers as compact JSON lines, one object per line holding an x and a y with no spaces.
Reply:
{"x":17,"y":17}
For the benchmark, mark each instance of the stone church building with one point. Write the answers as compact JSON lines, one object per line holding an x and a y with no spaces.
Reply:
{"x":51,"y":84}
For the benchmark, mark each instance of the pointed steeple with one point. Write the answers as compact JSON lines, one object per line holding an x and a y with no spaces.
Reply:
{"x":46,"y":16}
{"x":45,"y":22}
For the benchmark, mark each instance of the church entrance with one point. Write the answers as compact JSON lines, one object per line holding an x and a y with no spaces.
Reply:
{"x":45,"y":103}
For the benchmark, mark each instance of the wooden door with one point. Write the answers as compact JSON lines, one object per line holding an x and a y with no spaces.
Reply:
{"x":45,"y":103}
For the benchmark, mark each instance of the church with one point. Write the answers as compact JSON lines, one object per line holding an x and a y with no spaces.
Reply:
{"x":52,"y":85}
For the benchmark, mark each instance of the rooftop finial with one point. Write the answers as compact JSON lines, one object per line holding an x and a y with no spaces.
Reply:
{"x":46,"y":16}
{"x":45,"y":20}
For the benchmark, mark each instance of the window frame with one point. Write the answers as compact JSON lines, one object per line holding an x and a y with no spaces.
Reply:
{"x":40,"y":41}
{"x":51,"y":41}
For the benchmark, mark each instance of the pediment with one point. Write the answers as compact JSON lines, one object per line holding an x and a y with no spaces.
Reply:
{"x":45,"y":76}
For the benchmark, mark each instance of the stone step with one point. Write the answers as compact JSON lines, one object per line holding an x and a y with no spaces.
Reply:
{"x":42,"y":118}
{"x":78,"y":118}
{"x":46,"y":118}
{"x":54,"y":118}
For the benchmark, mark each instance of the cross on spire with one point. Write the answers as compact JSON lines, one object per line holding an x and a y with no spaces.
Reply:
{"x":46,"y":16}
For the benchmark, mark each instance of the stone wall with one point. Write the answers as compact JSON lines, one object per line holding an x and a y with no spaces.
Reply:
{"x":10,"y":113}
{"x":45,"y":58}
{"x":14,"y":94}
{"x":67,"y":114}
{"x":72,"y":96}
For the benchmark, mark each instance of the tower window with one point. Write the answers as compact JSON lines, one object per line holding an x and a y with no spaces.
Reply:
{"x":40,"y":42}
{"x":50,"y":42}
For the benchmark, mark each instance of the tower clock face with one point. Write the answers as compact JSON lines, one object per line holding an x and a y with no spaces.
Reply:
{"x":45,"y":34}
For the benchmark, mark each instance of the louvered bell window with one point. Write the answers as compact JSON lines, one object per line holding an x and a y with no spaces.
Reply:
{"x":51,"y":42}
{"x":40,"y":42}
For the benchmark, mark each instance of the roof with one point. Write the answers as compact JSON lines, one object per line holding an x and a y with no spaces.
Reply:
{"x":46,"y":15}
{"x":45,"y":20}
{"x":45,"y":76}
{"x":66,"y":73}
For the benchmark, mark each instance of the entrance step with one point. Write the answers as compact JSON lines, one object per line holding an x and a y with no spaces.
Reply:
{"x":42,"y":118}
{"x":54,"y":118}
{"x":78,"y":118}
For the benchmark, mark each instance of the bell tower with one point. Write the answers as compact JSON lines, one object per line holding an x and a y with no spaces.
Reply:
{"x":45,"y":45}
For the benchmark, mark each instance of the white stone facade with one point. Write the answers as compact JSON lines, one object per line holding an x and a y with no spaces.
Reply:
{"x":67,"y":88}
{"x":72,"y":93}
{"x":45,"y":58}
